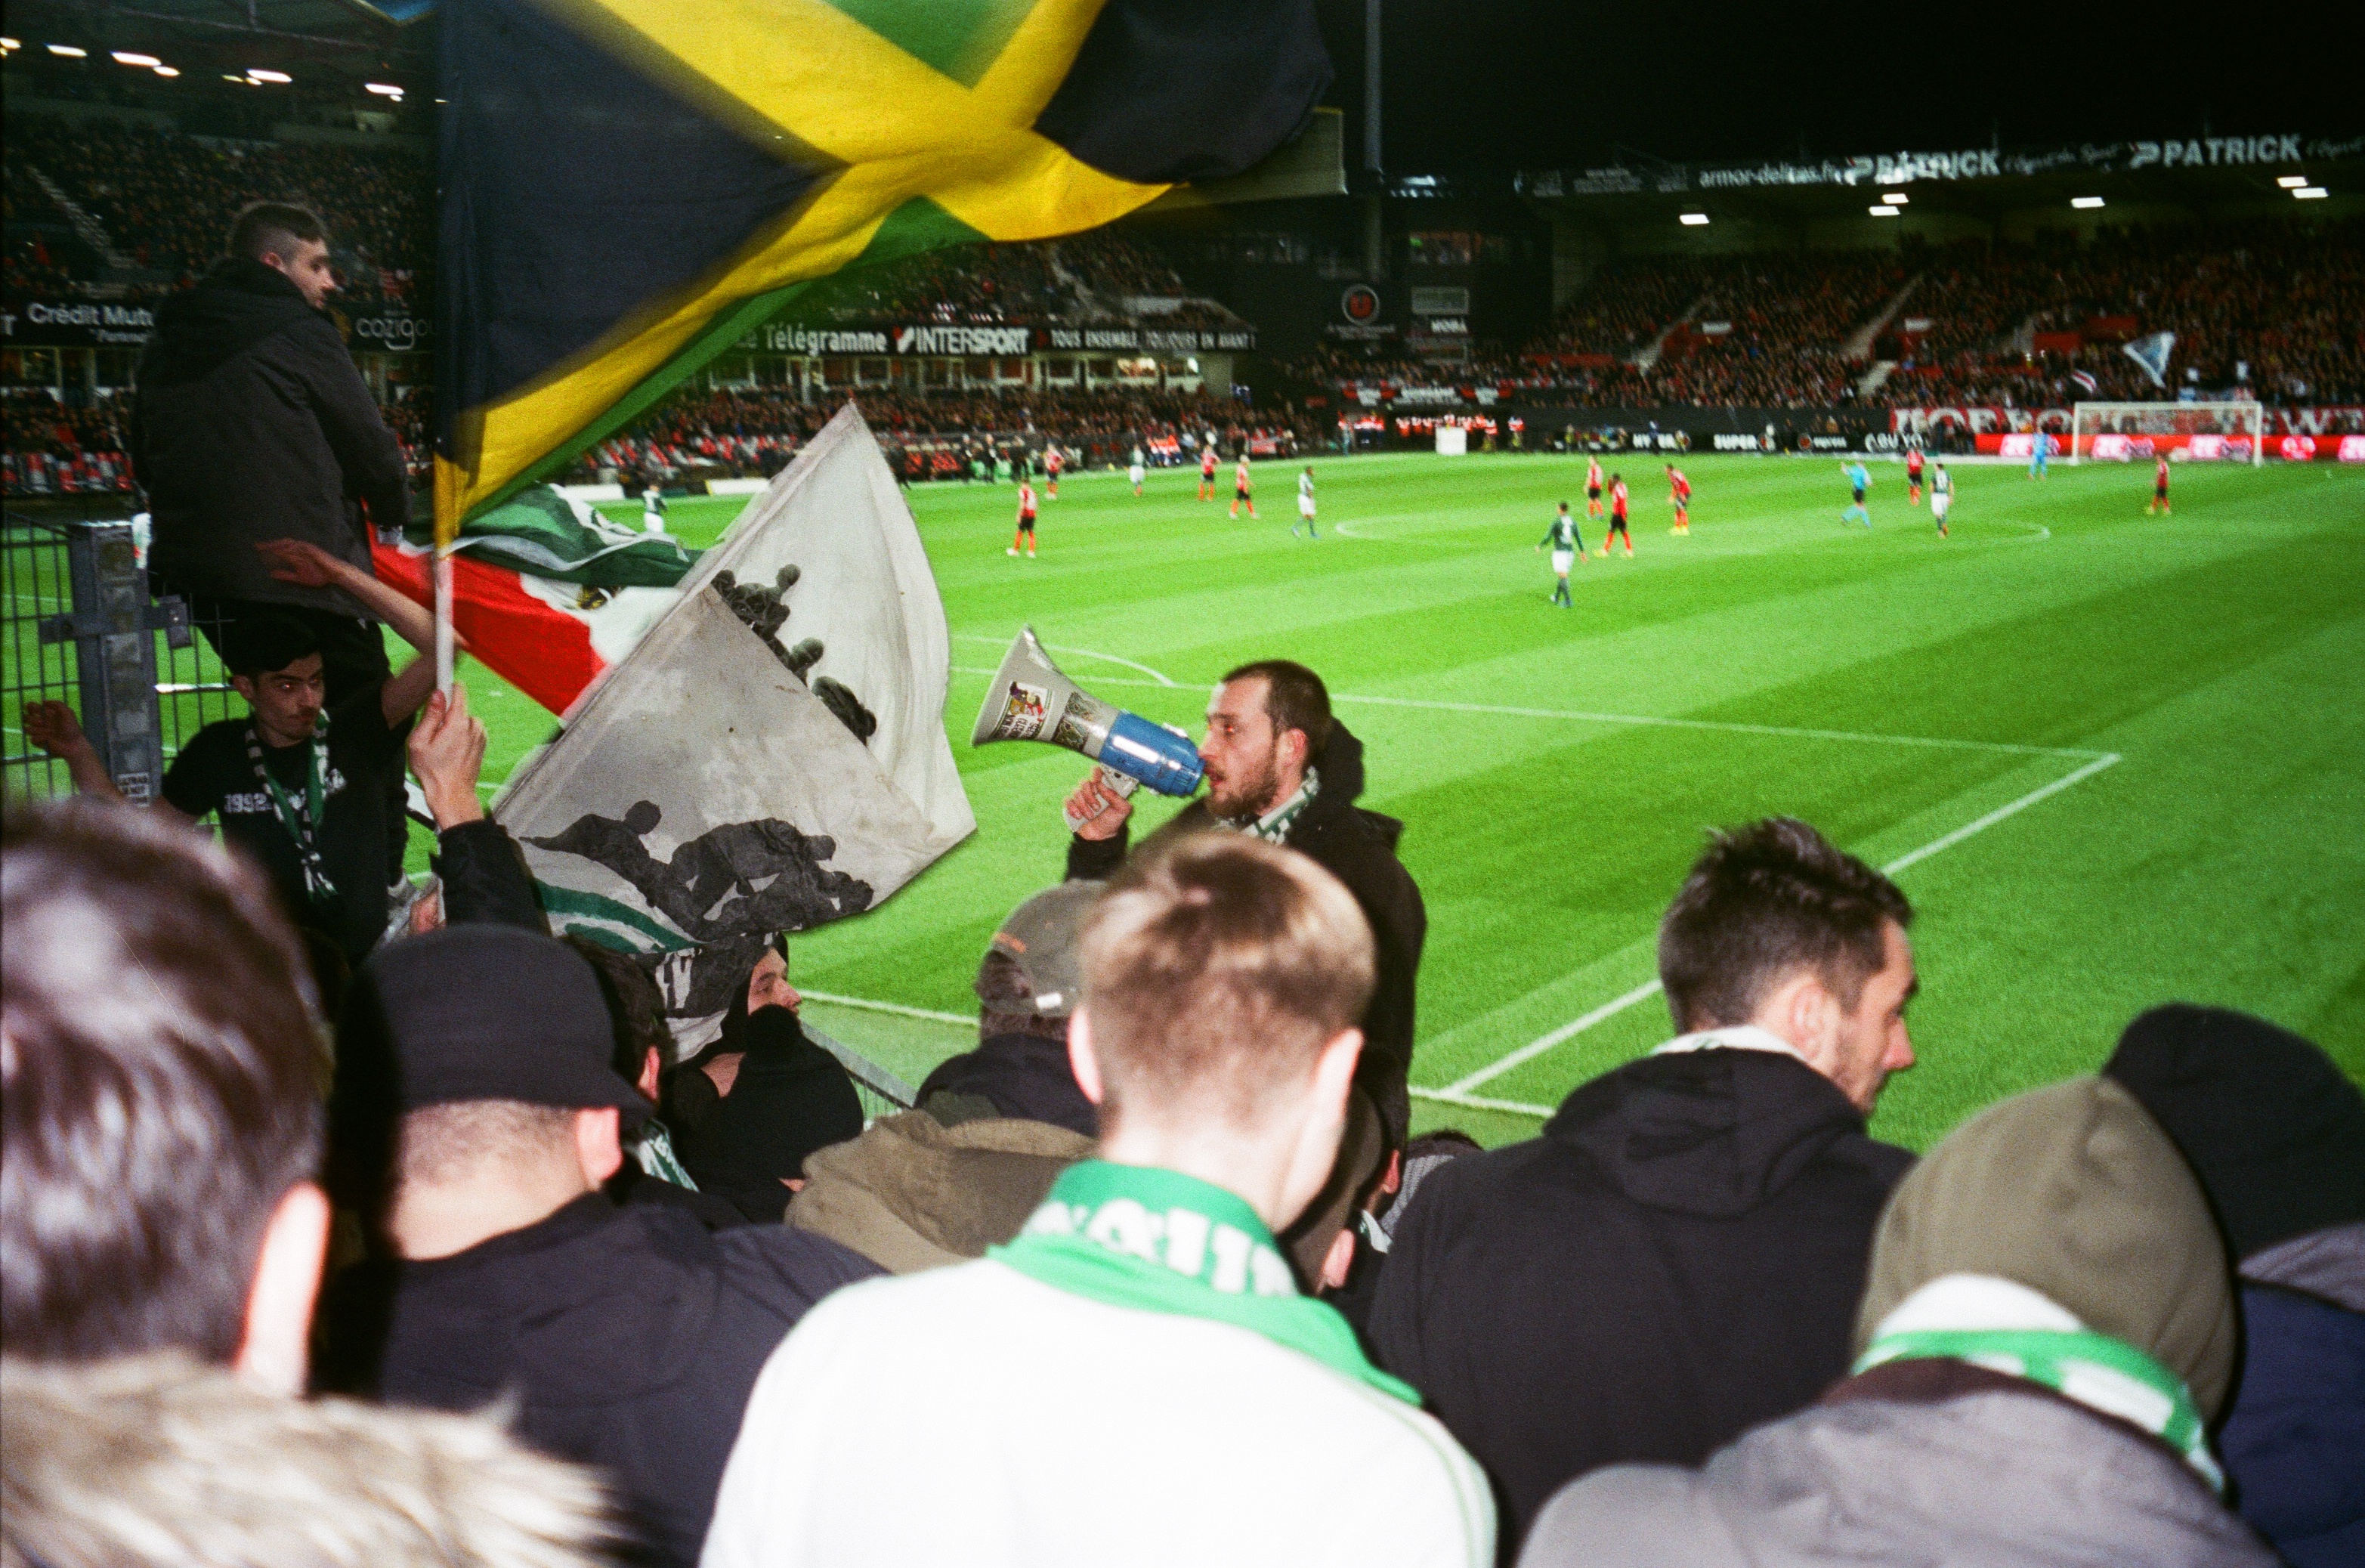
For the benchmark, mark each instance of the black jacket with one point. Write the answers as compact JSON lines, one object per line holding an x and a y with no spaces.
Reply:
{"x":630,"y":1339}
{"x":1024,"y":1076}
{"x":251,"y":423}
{"x":790,"y":1098}
{"x":1678,"y":1259}
{"x":1359,"y":847}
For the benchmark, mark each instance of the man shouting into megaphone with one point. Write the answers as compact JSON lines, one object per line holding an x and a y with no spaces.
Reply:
{"x":1278,"y":766}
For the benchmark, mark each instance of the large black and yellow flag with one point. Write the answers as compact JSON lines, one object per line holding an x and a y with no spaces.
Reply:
{"x":627,"y":186}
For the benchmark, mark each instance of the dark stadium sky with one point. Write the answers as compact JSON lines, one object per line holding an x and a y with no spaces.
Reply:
{"x":1503,"y":86}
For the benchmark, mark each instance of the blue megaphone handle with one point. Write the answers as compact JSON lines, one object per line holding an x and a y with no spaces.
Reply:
{"x":1165,"y":761}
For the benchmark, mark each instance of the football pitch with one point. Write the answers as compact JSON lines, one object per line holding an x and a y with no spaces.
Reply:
{"x":2114,"y":760}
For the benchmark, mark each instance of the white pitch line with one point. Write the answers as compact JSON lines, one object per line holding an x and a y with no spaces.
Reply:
{"x":1098,"y":680}
{"x":1536,"y":1048}
{"x":1480,"y":1102}
{"x":967,"y":1021}
{"x":1650,"y":721}
{"x":1158,"y":678}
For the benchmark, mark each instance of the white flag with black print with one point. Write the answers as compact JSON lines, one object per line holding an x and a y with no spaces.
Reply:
{"x":771,"y":755}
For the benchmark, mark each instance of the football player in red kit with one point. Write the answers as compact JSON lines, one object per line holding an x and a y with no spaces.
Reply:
{"x":1617,"y":518}
{"x":1207,"y":472}
{"x":2159,"y":507}
{"x":1052,"y":464}
{"x":1593,"y":486}
{"x":1679,"y":490}
{"x":1913,"y":477}
{"x":1025,"y":534}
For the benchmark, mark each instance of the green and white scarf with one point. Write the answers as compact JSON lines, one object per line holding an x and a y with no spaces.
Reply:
{"x":653,"y":1148}
{"x":300,"y":816}
{"x":2093,"y":1370}
{"x":1157,"y":1240}
{"x":1274,"y":825}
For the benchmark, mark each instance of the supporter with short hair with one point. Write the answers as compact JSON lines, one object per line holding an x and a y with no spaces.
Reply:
{"x":2275,"y":1132}
{"x":162,"y":1236}
{"x":1679,"y":1256}
{"x":2047,"y":1330}
{"x":1136,"y":1376}
{"x":1281,"y":767}
{"x":251,"y":423}
{"x":629,"y":1338}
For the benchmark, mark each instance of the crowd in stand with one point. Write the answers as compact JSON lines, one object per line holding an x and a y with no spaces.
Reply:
{"x":1155,"y":1270}
{"x":165,"y":198}
{"x":348,"y":1222}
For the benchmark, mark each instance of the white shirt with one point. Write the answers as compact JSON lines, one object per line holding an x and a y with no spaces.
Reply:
{"x":976,"y":1416}
{"x":1306,"y":486}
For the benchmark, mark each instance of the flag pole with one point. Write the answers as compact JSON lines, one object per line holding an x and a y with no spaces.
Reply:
{"x":443,"y":621}
{"x":449,"y":481}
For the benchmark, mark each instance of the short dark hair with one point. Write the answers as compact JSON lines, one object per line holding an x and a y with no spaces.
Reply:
{"x":280,"y":225}
{"x":161,"y":1068}
{"x":635,"y":1005}
{"x":1294,"y":698}
{"x":1763,"y":902}
{"x":258,"y":645}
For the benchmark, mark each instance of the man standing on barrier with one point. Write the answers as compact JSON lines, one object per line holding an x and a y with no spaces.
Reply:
{"x":252,"y":424}
{"x":1278,"y":766}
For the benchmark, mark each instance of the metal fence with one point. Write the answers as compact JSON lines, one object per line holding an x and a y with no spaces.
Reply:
{"x":80,"y":627}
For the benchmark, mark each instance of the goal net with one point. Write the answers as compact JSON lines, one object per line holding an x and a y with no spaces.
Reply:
{"x":2130,"y":432}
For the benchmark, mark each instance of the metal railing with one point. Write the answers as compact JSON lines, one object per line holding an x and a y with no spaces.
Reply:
{"x":78,"y":625}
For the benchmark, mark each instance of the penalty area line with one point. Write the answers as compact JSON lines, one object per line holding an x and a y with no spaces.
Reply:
{"x":967,"y":1021}
{"x":1458,"y":1092}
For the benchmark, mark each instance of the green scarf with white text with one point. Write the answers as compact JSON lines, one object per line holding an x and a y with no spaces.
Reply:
{"x":1157,"y":1240}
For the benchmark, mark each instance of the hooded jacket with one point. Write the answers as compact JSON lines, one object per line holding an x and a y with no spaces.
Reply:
{"x":911,"y":1194}
{"x":1989,"y":1477}
{"x":628,"y":1338}
{"x":1359,"y":847}
{"x":2069,"y":1197}
{"x":156,"y":1460}
{"x":251,"y":423}
{"x":1676,"y":1260}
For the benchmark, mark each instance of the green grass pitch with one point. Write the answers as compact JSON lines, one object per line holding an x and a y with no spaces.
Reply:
{"x":1955,"y":700}
{"x":1891,"y":687}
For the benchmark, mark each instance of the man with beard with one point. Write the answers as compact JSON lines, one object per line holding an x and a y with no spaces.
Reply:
{"x":1279,"y":767}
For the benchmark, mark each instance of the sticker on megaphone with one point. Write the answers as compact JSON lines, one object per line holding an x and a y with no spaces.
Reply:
{"x":1031,"y":699}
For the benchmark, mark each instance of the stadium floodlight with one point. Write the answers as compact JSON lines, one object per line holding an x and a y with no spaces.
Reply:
{"x":167,"y":71}
{"x":2311,"y":193}
{"x":2291,"y":181}
{"x":69,"y":51}
{"x":262,"y":75}
{"x":2083,"y":203}
{"x":1895,"y":198}
{"x":7,"y":44}
{"x":383,"y":89}
{"x":1692,"y":219}
{"x":145,"y":61}
{"x":1882,"y":209}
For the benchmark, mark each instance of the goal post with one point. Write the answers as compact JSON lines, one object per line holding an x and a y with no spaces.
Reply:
{"x":2128,"y":432}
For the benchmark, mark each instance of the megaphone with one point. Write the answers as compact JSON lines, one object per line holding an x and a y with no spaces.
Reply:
{"x":1031,"y":700}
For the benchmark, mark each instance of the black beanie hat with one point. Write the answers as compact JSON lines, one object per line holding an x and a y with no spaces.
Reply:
{"x":2274,"y":1130}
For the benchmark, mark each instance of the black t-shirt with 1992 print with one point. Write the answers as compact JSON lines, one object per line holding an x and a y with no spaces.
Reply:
{"x":214,"y":773}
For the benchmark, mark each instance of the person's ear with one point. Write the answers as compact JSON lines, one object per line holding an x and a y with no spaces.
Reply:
{"x":1334,"y":1075}
{"x":598,"y":1145}
{"x":244,"y":686}
{"x":652,"y":1073}
{"x":1080,"y":1060}
{"x":1339,"y":1261}
{"x":1813,"y":1019}
{"x":272,"y":1353}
